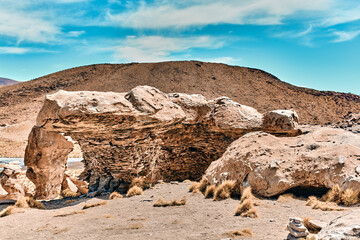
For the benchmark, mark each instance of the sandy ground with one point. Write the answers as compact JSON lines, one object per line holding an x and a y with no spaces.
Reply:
{"x":136,"y":218}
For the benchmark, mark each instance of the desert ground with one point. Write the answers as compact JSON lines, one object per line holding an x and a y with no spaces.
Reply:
{"x":136,"y":218}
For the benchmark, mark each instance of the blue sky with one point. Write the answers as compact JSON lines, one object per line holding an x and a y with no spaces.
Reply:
{"x":311,"y":43}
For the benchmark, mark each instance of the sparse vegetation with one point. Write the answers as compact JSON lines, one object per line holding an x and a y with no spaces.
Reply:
{"x":91,"y":205}
{"x":115,"y":195}
{"x":134,"y":190}
{"x":314,"y":203}
{"x":69,"y":213}
{"x":163,"y":203}
{"x":210,"y":190}
{"x":224,"y":190}
{"x":246,"y":207}
{"x":348,"y":197}
{"x":68,"y":193}
{"x":9,"y":210}
{"x":186,"y":181}
{"x":34,"y":203}
{"x":203,"y":184}
{"x":21,"y":202}
{"x":286,"y":197}
{"x":240,"y":233}
{"x":311,"y":227}
{"x":193,"y":187}
{"x":140,"y":182}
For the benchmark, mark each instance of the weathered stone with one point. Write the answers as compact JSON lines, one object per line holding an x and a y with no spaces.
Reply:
{"x":281,"y":122}
{"x":124,"y":135}
{"x":248,"y":159}
{"x":296,"y":233}
{"x":357,"y":169}
{"x":344,"y":227}
{"x":10,"y":182}
{"x":297,"y":226}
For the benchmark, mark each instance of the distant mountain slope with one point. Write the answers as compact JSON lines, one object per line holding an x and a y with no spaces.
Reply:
{"x":6,"y":82}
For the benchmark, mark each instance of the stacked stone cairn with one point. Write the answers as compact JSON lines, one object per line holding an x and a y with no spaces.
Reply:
{"x":297,"y":229}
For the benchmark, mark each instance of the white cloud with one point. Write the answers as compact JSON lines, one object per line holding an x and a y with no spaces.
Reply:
{"x":343,"y":36}
{"x":25,"y":25}
{"x":167,"y":14}
{"x":75,"y":33}
{"x":157,"y":48}
{"x":13,"y":50}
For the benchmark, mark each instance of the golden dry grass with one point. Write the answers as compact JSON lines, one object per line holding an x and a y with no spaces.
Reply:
{"x":115,"y":195}
{"x":21,"y":202}
{"x":35,"y":204}
{"x":246,"y":209}
{"x":140,"y":182}
{"x":186,"y":181}
{"x":240,"y":233}
{"x":334,"y":195}
{"x":210,"y":190}
{"x":70,"y":201}
{"x":193,"y":187}
{"x":10,"y":210}
{"x":68,"y":193}
{"x":311,"y":227}
{"x":247,"y":194}
{"x":163,"y":203}
{"x":69,"y":213}
{"x":350,"y":197}
{"x":91,"y":205}
{"x":224,"y":190}
{"x":134,"y":190}
{"x":203,"y":184}
{"x":314,"y":203}
{"x":286,"y":197}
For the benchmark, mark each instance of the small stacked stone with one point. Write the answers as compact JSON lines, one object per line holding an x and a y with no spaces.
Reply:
{"x":297,"y":229}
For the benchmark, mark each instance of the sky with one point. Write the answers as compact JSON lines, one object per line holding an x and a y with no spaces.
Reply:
{"x":309,"y":43}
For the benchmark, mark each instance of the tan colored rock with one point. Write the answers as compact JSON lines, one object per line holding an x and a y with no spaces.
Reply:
{"x":124,"y":135}
{"x":10,"y":182}
{"x":281,"y":122}
{"x":306,"y":160}
{"x":344,"y":227}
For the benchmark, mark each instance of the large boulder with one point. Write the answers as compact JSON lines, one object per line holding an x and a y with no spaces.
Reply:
{"x":344,"y":227}
{"x":271,"y":165}
{"x":144,"y":132}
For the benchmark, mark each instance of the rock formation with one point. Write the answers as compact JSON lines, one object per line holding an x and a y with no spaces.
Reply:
{"x":271,"y":165}
{"x":297,"y":229}
{"x":10,"y":183}
{"x":144,"y":132}
{"x":344,"y":227}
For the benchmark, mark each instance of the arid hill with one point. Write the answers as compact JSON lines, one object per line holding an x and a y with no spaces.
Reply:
{"x":20,"y":103}
{"x":6,"y":82}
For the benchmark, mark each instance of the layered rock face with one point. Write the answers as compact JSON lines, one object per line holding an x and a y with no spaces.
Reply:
{"x":271,"y":165}
{"x":144,"y":132}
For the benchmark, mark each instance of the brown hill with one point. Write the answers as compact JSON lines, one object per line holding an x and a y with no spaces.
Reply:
{"x":20,"y":103}
{"x":6,"y":82}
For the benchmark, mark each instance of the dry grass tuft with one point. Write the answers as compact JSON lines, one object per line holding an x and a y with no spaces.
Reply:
{"x":286,"y":197}
{"x":186,"y":181}
{"x":350,"y":197}
{"x":210,"y":190}
{"x":115,"y":195}
{"x":203,"y":184}
{"x":68,"y":193}
{"x":134,"y":190}
{"x":240,"y":233}
{"x":324,"y":206}
{"x":163,"y":203}
{"x":334,"y":195}
{"x":90,"y":205}
{"x":246,"y":209}
{"x":247,"y":194}
{"x":69,"y":213}
{"x":140,"y":182}
{"x":10,"y":210}
{"x":224,"y":190}
{"x":21,"y":202}
{"x":69,"y":201}
{"x":193,"y":187}
{"x":35,"y":204}
{"x":311,"y":227}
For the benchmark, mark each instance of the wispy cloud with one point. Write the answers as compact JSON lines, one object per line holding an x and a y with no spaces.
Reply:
{"x":13,"y":50}
{"x":158,"y":48}
{"x":343,"y":36}
{"x":179,"y":14}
